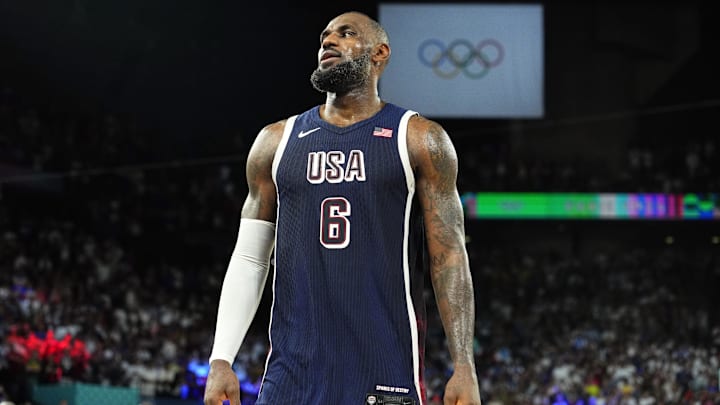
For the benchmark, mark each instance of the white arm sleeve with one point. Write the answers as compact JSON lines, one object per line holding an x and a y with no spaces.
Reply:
{"x":242,"y":287}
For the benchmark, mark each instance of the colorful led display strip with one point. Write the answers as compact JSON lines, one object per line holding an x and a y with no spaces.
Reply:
{"x":592,"y":206}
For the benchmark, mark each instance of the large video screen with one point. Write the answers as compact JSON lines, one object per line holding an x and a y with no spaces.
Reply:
{"x":465,"y":60}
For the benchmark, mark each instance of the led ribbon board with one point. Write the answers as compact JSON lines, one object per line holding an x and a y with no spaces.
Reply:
{"x":592,"y":206}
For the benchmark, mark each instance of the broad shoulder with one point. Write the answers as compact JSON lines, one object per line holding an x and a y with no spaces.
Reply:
{"x":267,"y":140}
{"x":272,"y":132}
{"x":428,"y":142}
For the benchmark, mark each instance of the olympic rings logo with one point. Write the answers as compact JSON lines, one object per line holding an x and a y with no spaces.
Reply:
{"x":474,"y":61}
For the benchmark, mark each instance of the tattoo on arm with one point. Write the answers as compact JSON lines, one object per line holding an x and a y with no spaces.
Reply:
{"x":449,"y":267}
{"x":442,"y":206}
{"x":260,"y":202}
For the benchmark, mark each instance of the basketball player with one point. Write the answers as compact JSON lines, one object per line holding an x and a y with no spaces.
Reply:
{"x":357,"y":197}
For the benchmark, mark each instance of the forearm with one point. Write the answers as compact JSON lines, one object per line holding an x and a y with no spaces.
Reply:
{"x":242,"y":287}
{"x":451,"y":278}
{"x":456,"y":304}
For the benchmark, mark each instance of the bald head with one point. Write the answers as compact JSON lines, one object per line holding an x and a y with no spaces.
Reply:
{"x":377,"y":36}
{"x":378,"y":32}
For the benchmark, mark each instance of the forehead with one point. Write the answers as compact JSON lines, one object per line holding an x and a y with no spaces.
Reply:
{"x":352,"y":20}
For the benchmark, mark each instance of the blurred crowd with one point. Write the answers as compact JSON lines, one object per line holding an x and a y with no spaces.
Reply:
{"x":624,"y":327}
{"x":112,"y":276}
{"x":689,"y":165}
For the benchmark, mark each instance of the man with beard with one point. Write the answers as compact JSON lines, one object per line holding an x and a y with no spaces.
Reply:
{"x":358,"y":198}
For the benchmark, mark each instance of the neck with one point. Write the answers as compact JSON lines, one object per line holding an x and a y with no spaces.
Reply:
{"x":347,"y":109}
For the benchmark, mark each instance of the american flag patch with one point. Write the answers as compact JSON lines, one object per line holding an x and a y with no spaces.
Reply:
{"x":384,"y":132}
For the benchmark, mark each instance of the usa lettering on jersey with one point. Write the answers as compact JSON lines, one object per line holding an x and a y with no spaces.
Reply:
{"x":334,"y":167}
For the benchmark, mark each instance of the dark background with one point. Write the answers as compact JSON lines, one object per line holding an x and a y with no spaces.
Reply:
{"x":184,"y":69}
{"x":196,"y":72}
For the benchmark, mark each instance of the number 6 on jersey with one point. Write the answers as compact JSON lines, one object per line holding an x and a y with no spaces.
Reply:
{"x":334,"y":224}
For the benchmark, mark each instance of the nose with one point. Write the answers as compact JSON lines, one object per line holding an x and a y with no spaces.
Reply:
{"x":328,"y":41}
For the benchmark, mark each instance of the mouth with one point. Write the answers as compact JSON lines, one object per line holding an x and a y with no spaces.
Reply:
{"x":329,"y":55}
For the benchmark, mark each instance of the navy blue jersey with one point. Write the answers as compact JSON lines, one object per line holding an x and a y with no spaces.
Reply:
{"x":347,"y":314}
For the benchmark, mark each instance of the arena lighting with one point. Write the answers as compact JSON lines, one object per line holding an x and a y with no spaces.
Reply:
{"x":599,"y":206}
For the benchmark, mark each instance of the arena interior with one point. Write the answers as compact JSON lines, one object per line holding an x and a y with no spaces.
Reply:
{"x":125,"y":127}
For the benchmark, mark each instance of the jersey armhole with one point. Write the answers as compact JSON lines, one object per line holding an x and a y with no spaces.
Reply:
{"x":289,"y":124}
{"x":403,"y":150}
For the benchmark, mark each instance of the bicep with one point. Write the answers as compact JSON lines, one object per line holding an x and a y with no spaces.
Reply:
{"x":436,"y":169}
{"x":261,"y":201}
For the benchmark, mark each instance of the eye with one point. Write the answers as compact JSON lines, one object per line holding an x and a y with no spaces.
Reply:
{"x":346,"y":34}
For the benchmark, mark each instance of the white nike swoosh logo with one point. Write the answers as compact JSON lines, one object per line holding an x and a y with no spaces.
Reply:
{"x":303,"y":134}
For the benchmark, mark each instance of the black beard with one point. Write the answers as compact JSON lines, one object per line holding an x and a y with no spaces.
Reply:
{"x":343,"y":77}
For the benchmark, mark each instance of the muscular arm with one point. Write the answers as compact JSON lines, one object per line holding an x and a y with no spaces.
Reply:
{"x":261,"y":201}
{"x":435,"y":162}
{"x":247,"y":270}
